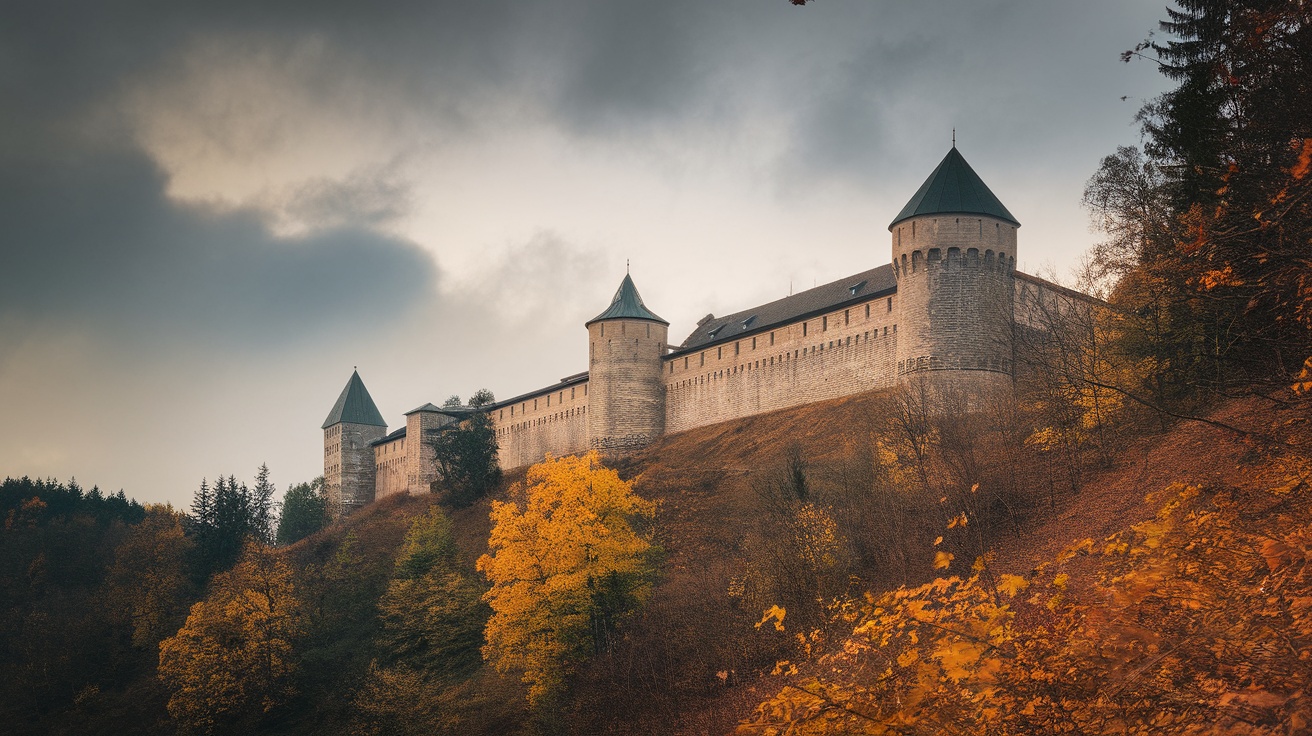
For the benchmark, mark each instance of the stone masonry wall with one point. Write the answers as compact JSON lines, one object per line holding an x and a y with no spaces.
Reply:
{"x":627,"y":407}
{"x":389,"y":464}
{"x":420,"y":456}
{"x":956,"y":291}
{"x":843,"y":352}
{"x":552,"y":421}
{"x":349,"y":473}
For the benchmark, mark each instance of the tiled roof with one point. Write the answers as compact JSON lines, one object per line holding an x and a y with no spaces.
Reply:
{"x":398,"y":434}
{"x":853,"y":289}
{"x":954,"y":188}
{"x":627,"y":304}
{"x":355,"y":406}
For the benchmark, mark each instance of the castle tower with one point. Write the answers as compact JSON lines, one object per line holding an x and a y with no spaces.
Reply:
{"x":954,"y":248}
{"x":626,"y":396}
{"x":348,"y":457}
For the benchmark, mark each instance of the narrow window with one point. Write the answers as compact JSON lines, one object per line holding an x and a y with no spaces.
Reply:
{"x":803,"y":329}
{"x":736,"y":348}
{"x":771,"y":338}
{"x":867,"y":311}
{"x":703,"y":358}
{"x":603,"y":329}
{"x":824,"y":323}
{"x":648,"y":330}
{"x":685,"y":363}
{"x":719,"y":353}
{"x":753,"y":343}
{"x":890,"y":304}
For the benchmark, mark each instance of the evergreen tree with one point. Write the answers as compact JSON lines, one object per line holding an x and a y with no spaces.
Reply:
{"x":466,"y":455}
{"x":261,"y":500}
{"x":304,"y":511}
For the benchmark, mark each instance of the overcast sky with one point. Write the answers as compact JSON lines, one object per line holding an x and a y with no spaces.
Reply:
{"x":210,"y":212}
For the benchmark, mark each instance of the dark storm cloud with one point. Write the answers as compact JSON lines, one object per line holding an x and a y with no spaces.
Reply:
{"x":91,"y":240}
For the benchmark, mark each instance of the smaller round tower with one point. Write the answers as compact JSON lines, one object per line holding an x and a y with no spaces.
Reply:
{"x":626,"y":396}
{"x":954,"y":249}
{"x":353,"y":425}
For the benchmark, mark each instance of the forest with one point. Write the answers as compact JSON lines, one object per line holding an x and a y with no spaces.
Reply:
{"x":1118,"y":544}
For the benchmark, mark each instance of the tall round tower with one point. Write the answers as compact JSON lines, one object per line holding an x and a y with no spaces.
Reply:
{"x":954,"y":249}
{"x":626,"y":396}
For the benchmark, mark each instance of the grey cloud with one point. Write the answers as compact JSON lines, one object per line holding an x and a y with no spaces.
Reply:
{"x":369,"y":198}
{"x":92,"y":241}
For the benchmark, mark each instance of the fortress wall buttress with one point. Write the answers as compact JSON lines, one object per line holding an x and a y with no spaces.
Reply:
{"x":552,"y":421}
{"x":843,"y":352}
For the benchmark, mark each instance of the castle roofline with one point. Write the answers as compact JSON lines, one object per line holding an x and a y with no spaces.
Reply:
{"x":398,"y":434}
{"x":354,"y":406}
{"x":854,"y":289}
{"x":565,"y":382}
{"x":953,"y":188}
{"x":627,"y":304}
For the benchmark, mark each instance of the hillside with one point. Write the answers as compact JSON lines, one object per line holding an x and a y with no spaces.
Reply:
{"x":693,"y":661}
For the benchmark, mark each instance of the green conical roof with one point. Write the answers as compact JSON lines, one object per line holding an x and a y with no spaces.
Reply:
{"x":954,"y":188}
{"x":354,"y":406}
{"x":627,"y":304}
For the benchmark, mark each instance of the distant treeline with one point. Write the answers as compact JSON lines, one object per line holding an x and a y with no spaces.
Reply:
{"x":23,"y":500}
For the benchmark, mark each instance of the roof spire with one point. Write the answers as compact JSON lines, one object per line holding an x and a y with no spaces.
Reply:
{"x":954,"y":137}
{"x":354,"y":406}
{"x":626,"y":266}
{"x":954,"y":188}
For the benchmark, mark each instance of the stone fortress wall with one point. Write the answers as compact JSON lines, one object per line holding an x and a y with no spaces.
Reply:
{"x":842,"y":352}
{"x":946,"y":308}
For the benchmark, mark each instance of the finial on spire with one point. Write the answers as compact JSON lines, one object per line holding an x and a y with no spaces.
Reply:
{"x":626,"y":265}
{"x":954,"y":137}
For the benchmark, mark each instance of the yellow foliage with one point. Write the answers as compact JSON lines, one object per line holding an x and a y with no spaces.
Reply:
{"x":236,"y":653}
{"x":1197,"y":622}
{"x":773,"y":613}
{"x":942,"y":560}
{"x":569,"y":529}
{"x":1012,"y":584}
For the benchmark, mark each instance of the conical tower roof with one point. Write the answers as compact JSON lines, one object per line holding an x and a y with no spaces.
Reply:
{"x":627,"y":304}
{"x":355,"y":406}
{"x":954,"y":188}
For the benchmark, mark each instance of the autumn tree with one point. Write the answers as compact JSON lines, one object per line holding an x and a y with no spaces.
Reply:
{"x":235,"y":657}
{"x":148,"y":587}
{"x":1224,"y":191}
{"x":571,"y":555}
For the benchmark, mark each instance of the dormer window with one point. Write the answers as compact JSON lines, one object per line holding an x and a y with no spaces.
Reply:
{"x":715,"y":331}
{"x":854,"y":289}
{"x":748,"y":322}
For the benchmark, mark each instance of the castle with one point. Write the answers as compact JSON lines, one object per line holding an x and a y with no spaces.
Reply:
{"x":944,"y":307}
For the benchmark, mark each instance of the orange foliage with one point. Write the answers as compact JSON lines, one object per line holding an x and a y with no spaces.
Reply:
{"x":1198,"y":621}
